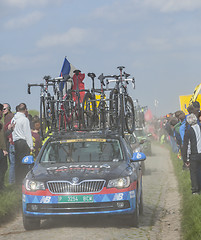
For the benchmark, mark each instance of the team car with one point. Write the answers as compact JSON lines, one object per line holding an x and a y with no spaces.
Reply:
{"x":83,"y":173}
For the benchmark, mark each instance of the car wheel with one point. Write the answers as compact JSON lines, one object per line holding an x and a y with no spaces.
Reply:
{"x":31,"y":223}
{"x":134,"y":219}
{"x":141,"y":206}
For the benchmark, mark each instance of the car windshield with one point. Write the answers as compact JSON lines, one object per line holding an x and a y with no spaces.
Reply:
{"x":82,"y":150}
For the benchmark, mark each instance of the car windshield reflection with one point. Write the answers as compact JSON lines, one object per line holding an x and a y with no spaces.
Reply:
{"x":82,"y":150}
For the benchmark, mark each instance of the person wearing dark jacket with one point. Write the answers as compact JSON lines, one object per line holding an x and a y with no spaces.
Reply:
{"x":170,"y":132}
{"x":3,"y":152}
{"x":8,"y":115}
{"x":192,"y":149}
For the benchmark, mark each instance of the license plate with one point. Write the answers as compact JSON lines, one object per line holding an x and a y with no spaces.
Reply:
{"x":76,"y":198}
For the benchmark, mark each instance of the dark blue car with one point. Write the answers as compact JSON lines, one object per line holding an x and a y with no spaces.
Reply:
{"x":83,"y":173}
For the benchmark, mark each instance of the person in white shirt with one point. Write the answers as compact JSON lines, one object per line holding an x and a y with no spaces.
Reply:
{"x":22,"y":139}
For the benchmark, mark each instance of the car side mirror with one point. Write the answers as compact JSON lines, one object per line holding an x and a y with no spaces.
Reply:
{"x":28,"y":160}
{"x":138,"y":156}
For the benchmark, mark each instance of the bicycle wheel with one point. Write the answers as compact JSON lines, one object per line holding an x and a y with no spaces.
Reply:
{"x":121,"y":122}
{"x":102,"y":112}
{"x":52,"y":116}
{"x":129,"y":114}
{"x":43,"y":118}
{"x":113,"y":109}
{"x":68,"y":110}
{"x":61,"y":124}
{"x":78,"y":114}
{"x":89,"y":112}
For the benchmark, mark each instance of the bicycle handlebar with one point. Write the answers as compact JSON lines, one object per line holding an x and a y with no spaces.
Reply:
{"x":65,"y":78}
{"x":34,"y":85}
{"x":124,"y":80}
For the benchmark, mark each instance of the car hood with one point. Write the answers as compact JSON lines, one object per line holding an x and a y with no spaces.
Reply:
{"x":65,"y":172}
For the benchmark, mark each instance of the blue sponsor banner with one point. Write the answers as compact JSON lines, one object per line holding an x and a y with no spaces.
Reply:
{"x":96,"y":197}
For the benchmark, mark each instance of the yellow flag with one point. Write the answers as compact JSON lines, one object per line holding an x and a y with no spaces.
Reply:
{"x":195,"y":94}
{"x":185,"y":101}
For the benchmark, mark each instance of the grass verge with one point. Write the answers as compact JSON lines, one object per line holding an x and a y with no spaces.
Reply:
{"x":10,"y":203}
{"x":190,"y":204}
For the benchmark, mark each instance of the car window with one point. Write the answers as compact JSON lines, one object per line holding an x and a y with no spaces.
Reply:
{"x":81,"y":150}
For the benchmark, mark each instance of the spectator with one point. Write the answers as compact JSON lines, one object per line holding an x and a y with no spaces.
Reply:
{"x":8,"y":115}
{"x":199,"y":117}
{"x":170,"y":132}
{"x":3,"y":152}
{"x":192,"y":140}
{"x":181,"y":119}
{"x":30,"y":120}
{"x":180,"y":115}
{"x":22,"y":140}
{"x":193,"y":108}
{"x":173,"y":123}
{"x":196,"y":108}
{"x":37,"y":144}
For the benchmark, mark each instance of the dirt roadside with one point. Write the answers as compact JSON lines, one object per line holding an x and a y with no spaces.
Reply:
{"x":168,"y":221}
{"x":160,"y":221}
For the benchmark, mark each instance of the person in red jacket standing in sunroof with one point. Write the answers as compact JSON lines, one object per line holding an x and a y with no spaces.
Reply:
{"x":81,"y":77}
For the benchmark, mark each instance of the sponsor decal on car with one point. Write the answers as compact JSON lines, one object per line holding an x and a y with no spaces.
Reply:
{"x":83,"y":140}
{"x":79,"y":167}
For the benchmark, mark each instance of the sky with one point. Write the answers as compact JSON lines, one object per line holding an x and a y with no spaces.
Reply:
{"x":158,"y":42}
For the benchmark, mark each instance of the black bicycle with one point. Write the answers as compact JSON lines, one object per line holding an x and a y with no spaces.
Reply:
{"x":46,"y":107}
{"x":121,"y":111}
{"x":95,"y":107}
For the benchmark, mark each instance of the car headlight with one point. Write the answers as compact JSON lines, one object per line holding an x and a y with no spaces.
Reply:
{"x":123,"y":182}
{"x":33,"y":186}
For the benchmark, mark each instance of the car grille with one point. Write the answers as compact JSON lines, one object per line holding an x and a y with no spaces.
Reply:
{"x":89,"y":186}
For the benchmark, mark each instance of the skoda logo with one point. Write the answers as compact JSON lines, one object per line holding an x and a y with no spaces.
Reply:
{"x":75,"y":180}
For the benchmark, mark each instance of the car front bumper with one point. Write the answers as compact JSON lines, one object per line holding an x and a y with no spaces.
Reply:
{"x":111,"y":201}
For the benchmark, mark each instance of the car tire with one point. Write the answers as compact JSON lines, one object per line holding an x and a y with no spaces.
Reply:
{"x":141,"y":206}
{"x":134,"y":218}
{"x":31,"y":223}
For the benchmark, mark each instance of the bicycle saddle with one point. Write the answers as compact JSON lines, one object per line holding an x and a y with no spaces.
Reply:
{"x":91,"y":75}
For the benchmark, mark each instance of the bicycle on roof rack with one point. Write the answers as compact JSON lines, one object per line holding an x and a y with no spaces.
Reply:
{"x":100,"y":109}
{"x":46,"y":107}
{"x":73,"y":105}
{"x":95,"y":108}
{"x":122,"y":114}
{"x":60,"y":118}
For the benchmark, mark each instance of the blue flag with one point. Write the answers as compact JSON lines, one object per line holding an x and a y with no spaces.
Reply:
{"x":67,"y":69}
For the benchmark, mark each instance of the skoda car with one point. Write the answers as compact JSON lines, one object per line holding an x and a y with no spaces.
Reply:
{"x":83,"y":173}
